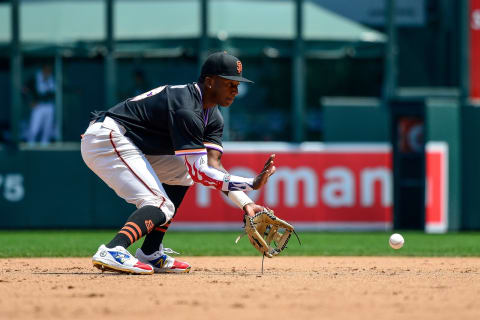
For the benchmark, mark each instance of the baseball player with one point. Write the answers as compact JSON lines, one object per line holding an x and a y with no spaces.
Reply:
{"x":151,"y":147}
{"x":42,"y":125}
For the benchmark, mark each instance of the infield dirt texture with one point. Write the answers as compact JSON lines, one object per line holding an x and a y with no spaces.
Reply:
{"x":233,"y":288}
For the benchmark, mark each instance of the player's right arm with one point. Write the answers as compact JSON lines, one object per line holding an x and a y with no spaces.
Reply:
{"x":201,"y":172}
{"x":187,"y":134}
{"x":248,"y":206}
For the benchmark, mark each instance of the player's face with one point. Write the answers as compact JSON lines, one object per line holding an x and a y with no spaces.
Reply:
{"x":225,"y":91}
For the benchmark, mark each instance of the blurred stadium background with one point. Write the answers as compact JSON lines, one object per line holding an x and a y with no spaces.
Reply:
{"x":370,"y":104}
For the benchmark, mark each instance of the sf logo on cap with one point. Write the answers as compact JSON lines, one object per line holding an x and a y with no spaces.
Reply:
{"x":239,"y":67}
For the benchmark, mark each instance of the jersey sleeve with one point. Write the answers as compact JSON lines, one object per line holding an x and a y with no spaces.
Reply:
{"x":212,"y":137}
{"x":201,"y":172}
{"x":186,"y":129}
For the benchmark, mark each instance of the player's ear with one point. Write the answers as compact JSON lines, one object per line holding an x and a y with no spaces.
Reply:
{"x":209,"y":82}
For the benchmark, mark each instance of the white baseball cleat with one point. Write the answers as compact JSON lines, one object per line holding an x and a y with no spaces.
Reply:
{"x":162,"y":262}
{"x":120,"y":260}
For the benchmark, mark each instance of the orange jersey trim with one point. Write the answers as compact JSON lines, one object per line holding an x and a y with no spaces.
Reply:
{"x":190,"y":151}
{"x":214,"y":146}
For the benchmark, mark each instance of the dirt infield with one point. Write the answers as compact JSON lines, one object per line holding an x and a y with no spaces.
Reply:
{"x":233,"y":288}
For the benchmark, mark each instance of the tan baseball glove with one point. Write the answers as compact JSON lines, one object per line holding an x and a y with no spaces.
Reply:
{"x":264,"y":228}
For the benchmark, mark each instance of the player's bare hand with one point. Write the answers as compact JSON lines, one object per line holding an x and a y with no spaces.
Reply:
{"x":251,"y":208}
{"x":262,"y":177}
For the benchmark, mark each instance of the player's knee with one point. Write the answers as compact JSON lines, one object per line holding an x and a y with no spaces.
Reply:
{"x":163,"y":203}
{"x":168,"y":208}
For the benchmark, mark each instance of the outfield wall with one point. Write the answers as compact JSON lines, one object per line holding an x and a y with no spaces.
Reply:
{"x":445,"y":120}
{"x":316,"y":187}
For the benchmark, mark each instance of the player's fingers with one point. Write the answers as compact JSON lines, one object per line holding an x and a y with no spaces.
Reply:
{"x":269,"y":165}
{"x":258,"y":208}
{"x":264,"y":175}
{"x":249,"y":209}
{"x":269,"y":161}
{"x":267,"y":168}
{"x":267,"y":171}
{"x":272,"y":170}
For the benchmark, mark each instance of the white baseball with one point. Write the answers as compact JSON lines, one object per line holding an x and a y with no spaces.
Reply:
{"x":396,"y":241}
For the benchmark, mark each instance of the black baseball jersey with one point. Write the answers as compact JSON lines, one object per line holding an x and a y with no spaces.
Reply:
{"x":169,"y":120}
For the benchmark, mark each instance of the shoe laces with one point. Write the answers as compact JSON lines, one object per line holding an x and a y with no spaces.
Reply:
{"x":166,"y":250}
{"x":170,"y":251}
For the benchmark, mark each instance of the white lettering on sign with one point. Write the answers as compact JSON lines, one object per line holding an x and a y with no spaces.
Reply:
{"x":476,"y":19}
{"x":290,"y":186}
{"x":369,"y":177}
{"x":12,"y":188}
{"x":339,"y":190}
{"x":291,"y":179}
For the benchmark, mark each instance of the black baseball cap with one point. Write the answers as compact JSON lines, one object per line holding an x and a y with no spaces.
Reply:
{"x":223,"y":65}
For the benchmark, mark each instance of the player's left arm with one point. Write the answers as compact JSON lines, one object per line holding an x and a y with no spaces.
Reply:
{"x":239,"y":197}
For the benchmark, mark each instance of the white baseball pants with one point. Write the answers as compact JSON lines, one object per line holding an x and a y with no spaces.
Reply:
{"x":135,"y":177}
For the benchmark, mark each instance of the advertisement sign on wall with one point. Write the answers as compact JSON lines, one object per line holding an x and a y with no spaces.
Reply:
{"x":317,"y":187}
{"x":436,"y":209}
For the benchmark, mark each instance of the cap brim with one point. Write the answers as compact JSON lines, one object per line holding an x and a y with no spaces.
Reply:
{"x":235,"y":78}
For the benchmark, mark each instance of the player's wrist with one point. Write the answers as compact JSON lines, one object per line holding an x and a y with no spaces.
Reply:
{"x":240,"y":199}
{"x":231,"y":182}
{"x":249,"y":209}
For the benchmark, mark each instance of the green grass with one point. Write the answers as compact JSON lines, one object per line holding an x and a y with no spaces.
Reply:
{"x":85,"y":243}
